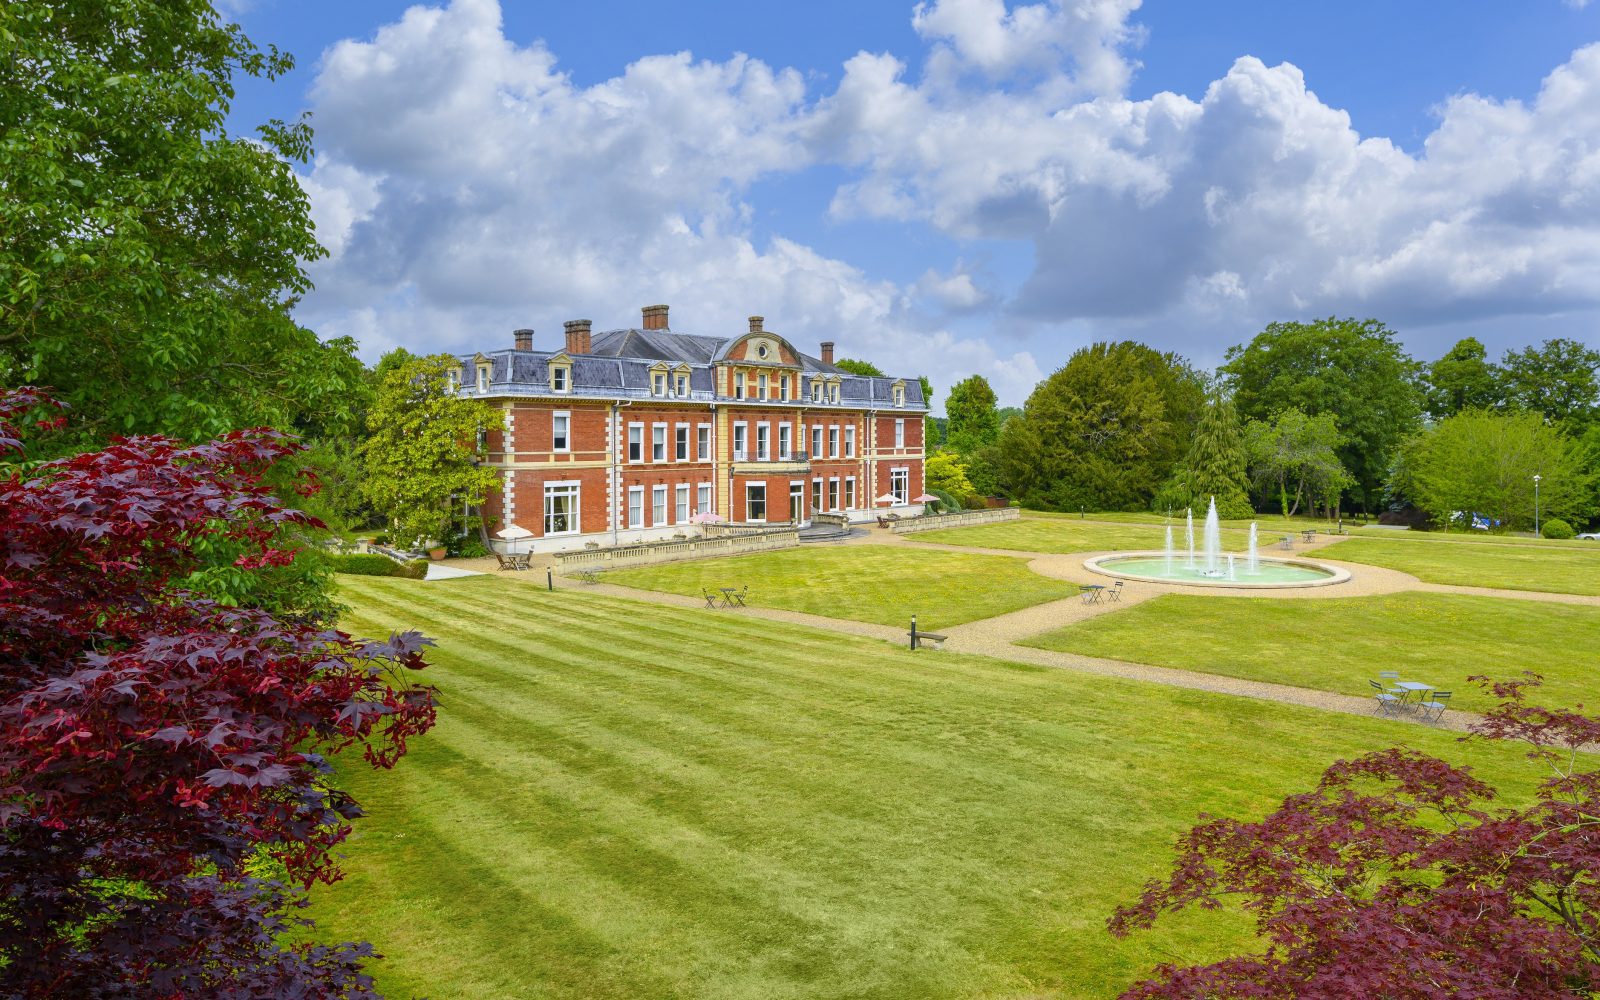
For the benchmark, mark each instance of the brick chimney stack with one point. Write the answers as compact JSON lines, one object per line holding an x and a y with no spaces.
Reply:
{"x":827,"y":352}
{"x":524,"y":339}
{"x":578,"y":335}
{"x":655,"y":317}
{"x":755,"y":323}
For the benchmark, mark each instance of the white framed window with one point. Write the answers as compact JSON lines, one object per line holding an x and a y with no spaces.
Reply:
{"x":483,"y":378}
{"x":850,"y":441}
{"x":704,"y":443}
{"x":560,"y":378}
{"x":738,"y":385}
{"x":636,"y":506}
{"x":900,"y":432}
{"x":658,"y":384}
{"x":816,"y":440}
{"x":763,"y":442}
{"x":682,"y":382}
{"x":833,"y":493}
{"x":761,"y":386}
{"x":783,"y":387}
{"x":452,"y":379}
{"x":658,"y":506}
{"x":741,"y":433}
{"x":849,"y":492}
{"x":833,"y":441}
{"x":703,"y":500}
{"x":560,"y":431}
{"x":636,"y":442}
{"x":899,"y":395}
{"x":785,"y":435}
{"x":561,"y":508}
{"x":681,"y":443}
{"x":682,"y":495}
{"x":833,"y":392}
{"x":900,"y":484}
{"x":816,"y":391}
{"x":816,"y":494}
{"x":755,"y":502}
{"x":658,"y":443}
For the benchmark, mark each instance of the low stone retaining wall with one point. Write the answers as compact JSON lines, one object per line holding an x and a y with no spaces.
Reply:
{"x":957,"y":519}
{"x":726,"y":543}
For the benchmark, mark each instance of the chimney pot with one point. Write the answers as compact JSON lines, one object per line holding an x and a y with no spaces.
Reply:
{"x":755,"y":323}
{"x":827,"y":352}
{"x":524,"y":339}
{"x":578,"y":336}
{"x":655,"y":317}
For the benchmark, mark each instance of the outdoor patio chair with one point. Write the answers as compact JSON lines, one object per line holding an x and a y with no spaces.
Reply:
{"x":1441,"y":701}
{"x":1115,"y":591}
{"x":711,"y":599}
{"x":1388,"y":704}
{"x":506,"y":562}
{"x":1390,"y":678}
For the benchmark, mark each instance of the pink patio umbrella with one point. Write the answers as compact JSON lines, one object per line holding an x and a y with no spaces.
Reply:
{"x":708,"y":517}
{"x":925,"y":498}
{"x":887,"y":498}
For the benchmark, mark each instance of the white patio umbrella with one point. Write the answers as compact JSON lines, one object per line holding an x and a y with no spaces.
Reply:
{"x":887,"y":498}
{"x":513,"y":533}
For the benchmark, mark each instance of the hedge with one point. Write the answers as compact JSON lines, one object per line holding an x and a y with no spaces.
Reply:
{"x":368,"y":564}
{"x":1557,"y":528}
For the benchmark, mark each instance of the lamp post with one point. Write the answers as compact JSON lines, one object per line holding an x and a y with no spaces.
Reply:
{"x":1536,"y":505}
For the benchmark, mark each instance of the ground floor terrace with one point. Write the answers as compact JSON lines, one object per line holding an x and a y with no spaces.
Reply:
{"x":631,"y":793}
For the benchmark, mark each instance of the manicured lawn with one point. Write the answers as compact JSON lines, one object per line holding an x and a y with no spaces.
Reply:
{"x":867,"y":583}
{"x":1339,"y":644}
{"x":1058,"y":533}
{"x":629,"y":801}
{"x":1560,"y":569}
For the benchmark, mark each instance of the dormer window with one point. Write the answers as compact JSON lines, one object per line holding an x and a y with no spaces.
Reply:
{"x":816,"y":392}
{"x":453,"y":379}
{"x":682,"y":385}
{"x":560,"y":374}
{"x":833,"y":393}
{"x":899,"y":394}
{"x":658,"y":384}
{"x":483,"y":378}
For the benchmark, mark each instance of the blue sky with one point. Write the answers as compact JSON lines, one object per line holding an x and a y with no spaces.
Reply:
{"x":966,"y":186}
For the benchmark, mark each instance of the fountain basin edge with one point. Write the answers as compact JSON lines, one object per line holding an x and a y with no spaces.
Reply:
{"x":1334,"y":575}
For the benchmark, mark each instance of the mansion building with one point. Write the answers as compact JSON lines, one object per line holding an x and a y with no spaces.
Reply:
{"x":625,"y":435}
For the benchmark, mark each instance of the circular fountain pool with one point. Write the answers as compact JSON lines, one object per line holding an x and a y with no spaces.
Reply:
{"x":1156,"y":567}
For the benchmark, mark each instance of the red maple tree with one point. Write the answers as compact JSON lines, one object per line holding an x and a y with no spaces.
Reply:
{"x":1400,"y":877}
{"x":157,"y":748}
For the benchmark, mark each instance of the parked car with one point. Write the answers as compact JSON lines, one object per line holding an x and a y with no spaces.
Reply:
{"x":1593,"y":536}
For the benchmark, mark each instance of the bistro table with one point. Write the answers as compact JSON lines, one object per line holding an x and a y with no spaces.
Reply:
{"x":1411,"y":688}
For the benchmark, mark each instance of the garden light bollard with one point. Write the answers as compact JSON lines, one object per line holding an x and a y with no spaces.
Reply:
{"x":913,"y":631}
{"x":549,"y":579}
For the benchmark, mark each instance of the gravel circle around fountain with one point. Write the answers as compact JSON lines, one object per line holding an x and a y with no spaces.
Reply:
{"x":1328,"y":576}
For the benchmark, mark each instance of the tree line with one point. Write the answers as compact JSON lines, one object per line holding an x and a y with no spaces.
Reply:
{"x":1327,"y":416}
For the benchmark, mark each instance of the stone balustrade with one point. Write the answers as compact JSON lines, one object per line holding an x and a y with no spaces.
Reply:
{"x":956,"y":519}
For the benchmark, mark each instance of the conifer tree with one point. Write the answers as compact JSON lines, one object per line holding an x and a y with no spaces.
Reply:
{"x":1217,"y":464}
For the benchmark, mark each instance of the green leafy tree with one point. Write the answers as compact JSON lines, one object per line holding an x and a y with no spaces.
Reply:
{"x":1353,"y":370}
{"x":855,"y":367}
{"x":946,"y":472}
{"x":423,"y":453}
{"x":1103,"y":431}
{"x":1296,"y":456}
{"x":1217,"y":465}
{"x":149,"y":258}
{"x":974,"y":418}
{"x":1557,"y":379}
{"x":1483,"y":462}
{"x":1462,"y":379}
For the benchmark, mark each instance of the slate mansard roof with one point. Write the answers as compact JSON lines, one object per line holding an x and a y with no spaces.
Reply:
{"x":619,"y":365}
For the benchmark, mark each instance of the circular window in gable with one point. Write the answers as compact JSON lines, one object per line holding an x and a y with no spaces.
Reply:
{"x":761,"y":350}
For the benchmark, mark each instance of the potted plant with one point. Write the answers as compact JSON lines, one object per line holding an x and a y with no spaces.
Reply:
{"x":437,"y":552}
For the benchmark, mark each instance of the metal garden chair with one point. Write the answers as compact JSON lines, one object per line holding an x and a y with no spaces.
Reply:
{"x":1388,"y":704}
{"x":1441,"y":701}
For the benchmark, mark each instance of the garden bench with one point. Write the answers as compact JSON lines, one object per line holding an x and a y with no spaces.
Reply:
{"x":918,"y":638}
